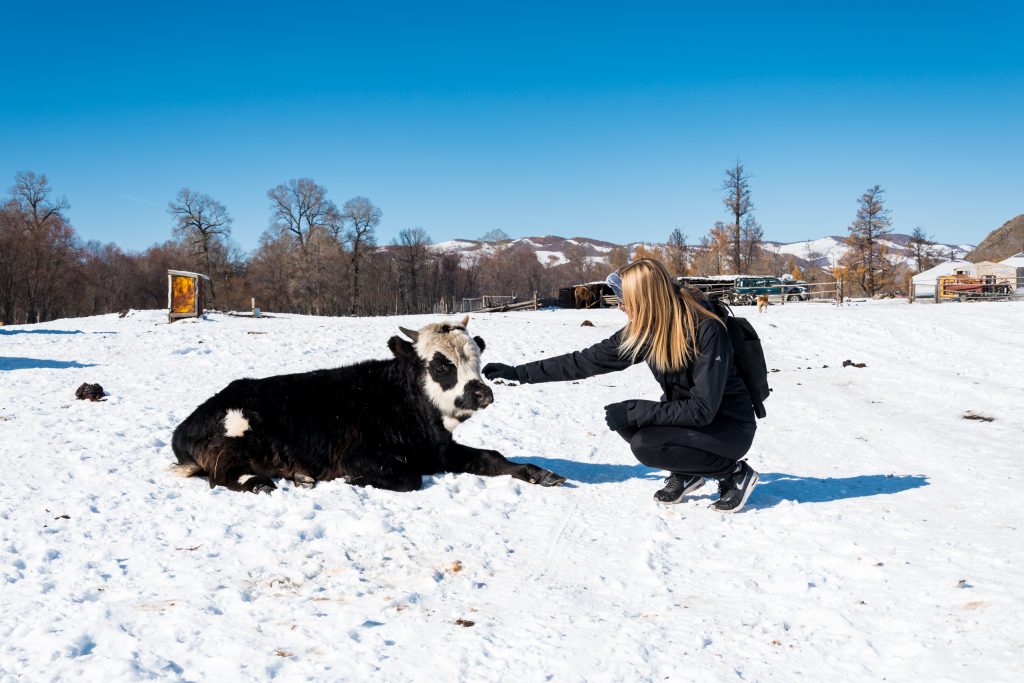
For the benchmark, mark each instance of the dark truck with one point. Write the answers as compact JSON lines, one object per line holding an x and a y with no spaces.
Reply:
{"x":747,"y":289}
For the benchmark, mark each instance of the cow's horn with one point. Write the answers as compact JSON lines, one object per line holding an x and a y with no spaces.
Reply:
{"x":465,"y":321}
{"x":411,"y":334}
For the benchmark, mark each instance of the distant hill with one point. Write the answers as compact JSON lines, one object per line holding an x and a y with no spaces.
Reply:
{"x":822,"y":252}
{"x":550,"y":249}
{"x":1001,"y":243}
{"x":826,"y":251}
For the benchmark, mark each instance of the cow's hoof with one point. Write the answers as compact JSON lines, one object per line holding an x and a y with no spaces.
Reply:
{"x":304,"y":482}
{"x":549,"y":478}
{"x":259,"y":484}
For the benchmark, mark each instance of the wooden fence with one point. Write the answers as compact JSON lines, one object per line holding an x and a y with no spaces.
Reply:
{"x":488,"y":304}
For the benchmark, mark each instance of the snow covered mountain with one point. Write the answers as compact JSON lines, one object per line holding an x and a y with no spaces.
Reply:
{"x":551,"y":249}
{"x":826,"y":251}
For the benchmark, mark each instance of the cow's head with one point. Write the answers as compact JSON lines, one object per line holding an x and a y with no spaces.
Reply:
{"x":451,"y":360}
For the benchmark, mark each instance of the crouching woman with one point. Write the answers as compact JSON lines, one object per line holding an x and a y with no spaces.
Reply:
{"x":704,"y":424}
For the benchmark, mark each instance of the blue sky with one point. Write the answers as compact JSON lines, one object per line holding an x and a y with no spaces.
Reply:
{"x":613,"y":121}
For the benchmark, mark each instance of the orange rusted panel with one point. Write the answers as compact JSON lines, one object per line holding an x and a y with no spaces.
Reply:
{"x":183,"y":294}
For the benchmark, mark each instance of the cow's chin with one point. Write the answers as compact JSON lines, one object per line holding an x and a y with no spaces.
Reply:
{"x":452,"y":421}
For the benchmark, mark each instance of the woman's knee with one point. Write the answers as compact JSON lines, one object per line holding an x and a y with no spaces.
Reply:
{"x":646,"y":445}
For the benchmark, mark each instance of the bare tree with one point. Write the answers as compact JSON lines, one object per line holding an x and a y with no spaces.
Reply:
{"x":494,"y":236}
{"x":203,"y":224}
{"x":580,"y":265}
{"x":920,"y":244}
{"x":301,"y":206}
{"x":47,"y":240}
{"x":617,"y":258}
{"x":752,"y":236}
{"x":362,"y":218}
{"x":412,"y":257}
{"x":31,"y":194}
{"x":873,"y":222}
{"x":13,"y":259}
{"x":677,"y":253}
{"x":813,"y":258}
{"x":737,"y":201}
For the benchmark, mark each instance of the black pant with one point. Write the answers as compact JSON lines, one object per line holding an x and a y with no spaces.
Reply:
{"x":710,"y":451}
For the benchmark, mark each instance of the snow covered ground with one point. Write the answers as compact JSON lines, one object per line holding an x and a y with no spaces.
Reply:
{"x":884,"y":542}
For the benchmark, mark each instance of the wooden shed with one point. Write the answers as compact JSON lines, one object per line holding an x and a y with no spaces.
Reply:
{"x":186,"y":294}
{"x":996,"y":271}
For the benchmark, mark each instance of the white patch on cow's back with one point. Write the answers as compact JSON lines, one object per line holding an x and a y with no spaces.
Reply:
{"x":235,"y":423}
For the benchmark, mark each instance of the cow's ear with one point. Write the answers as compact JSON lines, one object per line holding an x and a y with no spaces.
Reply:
{"x":480,"y":342}
{"x":401,"y":347}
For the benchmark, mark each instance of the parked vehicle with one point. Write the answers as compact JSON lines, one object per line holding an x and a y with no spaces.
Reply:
{"x":747,"y":289}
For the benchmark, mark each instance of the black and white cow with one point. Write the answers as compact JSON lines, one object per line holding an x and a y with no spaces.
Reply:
{"x":381,"y":423}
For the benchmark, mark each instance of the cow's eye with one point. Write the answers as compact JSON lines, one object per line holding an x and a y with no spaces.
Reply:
{"x":442,"y":365}
{"x":443,"y":368}
{"x":442,"y":371}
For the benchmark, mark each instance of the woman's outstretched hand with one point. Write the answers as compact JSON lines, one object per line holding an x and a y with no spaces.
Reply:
{"x":494,"y":371}
{"x":617,"y":415}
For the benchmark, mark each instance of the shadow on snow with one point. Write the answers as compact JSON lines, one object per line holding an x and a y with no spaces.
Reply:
{"x":592,"y":472}
{"x":773,"y":488}
{"x":776,"y":487}
{"x":4,"y":332}
{"x":40,"y":363}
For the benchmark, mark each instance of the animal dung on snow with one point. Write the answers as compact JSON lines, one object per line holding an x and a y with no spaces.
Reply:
{"x":850,"y":363}
{"x":93,"y":392}
{"x":586,"y":323}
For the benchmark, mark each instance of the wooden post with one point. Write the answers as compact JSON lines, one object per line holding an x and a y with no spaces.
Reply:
{"x":535,"y":306}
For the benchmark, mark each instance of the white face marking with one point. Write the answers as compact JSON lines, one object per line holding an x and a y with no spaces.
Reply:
{"x":235,"y":423}
{"x":458,"y":347}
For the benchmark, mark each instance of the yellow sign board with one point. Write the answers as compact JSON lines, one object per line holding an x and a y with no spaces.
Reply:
{"x":183,"y":294}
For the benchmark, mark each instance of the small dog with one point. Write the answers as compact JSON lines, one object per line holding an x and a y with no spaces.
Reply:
{"x":762,"y":303}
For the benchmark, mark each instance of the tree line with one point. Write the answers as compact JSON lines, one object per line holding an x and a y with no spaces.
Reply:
{"x":319,"y":258}
{"x":316,"y":258}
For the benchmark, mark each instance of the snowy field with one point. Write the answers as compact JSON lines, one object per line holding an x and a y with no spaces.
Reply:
{"x":883,"y":543}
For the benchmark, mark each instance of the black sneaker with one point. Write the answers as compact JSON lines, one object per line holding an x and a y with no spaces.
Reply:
{"x":677,"y":486}
{"x":735,"y":489}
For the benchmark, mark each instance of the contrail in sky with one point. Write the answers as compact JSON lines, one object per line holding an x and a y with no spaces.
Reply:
{"x":144,"y":201}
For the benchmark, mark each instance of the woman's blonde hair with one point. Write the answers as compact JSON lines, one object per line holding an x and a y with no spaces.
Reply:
{"x":663,"y":319}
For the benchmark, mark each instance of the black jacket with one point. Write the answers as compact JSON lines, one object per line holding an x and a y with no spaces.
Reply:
{"x":703,"y":391}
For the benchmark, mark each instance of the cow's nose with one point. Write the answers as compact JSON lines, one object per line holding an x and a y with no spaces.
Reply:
{"x":483,"y":395}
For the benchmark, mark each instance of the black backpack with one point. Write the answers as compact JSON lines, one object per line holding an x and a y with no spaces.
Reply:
{"x":747,"y":354}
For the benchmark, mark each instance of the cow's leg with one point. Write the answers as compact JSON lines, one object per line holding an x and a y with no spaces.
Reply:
{"x":228,"y":462}
{"x":488,"y":463}
{"x":303,"y":480}
{"x":392,"y":481}
{"x":239,"y":479}
{"x":382,"y":471}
